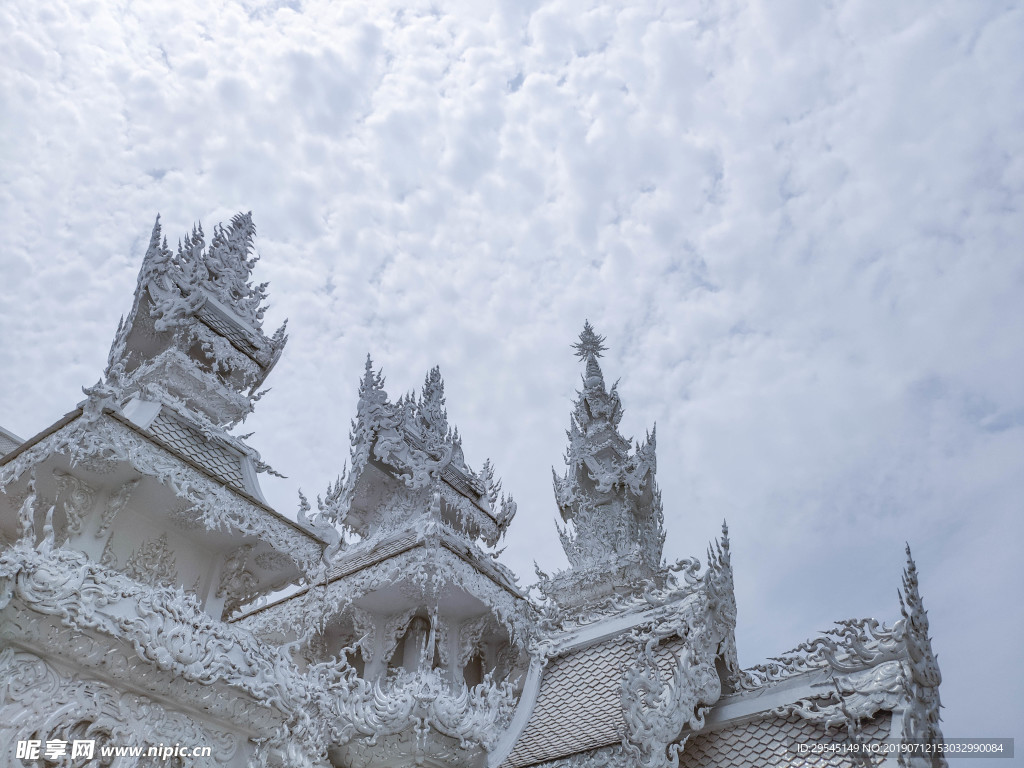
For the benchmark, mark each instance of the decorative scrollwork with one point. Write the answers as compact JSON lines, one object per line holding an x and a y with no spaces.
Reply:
{"x":236,"y":581}
{"x":114,"y":506}
{"x":416,"y":701}
{"x":78,"y":499}
{"x":39,"y":701}
{"x":152,"y":563}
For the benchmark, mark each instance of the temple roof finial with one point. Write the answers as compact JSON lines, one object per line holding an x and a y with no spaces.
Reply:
{"x":368,"y":374}
{"x":154,"y":240}
{"x":922,"y":678}
{"x":608,"y":493}
{"x":590,"y":343}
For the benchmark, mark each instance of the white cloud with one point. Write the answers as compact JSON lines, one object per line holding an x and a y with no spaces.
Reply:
{"x":798,"y":224}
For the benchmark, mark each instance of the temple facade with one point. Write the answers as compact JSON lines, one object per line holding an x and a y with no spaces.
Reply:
{"x":155,"y":610}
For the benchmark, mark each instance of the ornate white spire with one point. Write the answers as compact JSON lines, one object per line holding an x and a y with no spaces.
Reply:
{"x":230,"y":266}
{"x":433,"y":418}
{"x":608,"y":493}
{"x":608,"y":496}
{"x":921,"y":718}
{"x":718,"y":583}
{"x":590,"y":343}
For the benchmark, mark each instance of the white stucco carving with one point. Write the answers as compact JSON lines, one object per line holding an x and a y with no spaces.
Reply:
{"x":41,"y":701}
{"x":140,"y":571}
{"x":116,"y":503}
{"x":922,"y":677}
{"x":607,"y":497}
{"x":78,"y":499}
{"x":152,"y":563}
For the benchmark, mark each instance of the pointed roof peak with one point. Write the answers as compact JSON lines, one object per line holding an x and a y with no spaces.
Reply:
{"x":371,"y":386}
{"x":433,"y":385}
{"x":371,"y":378}
{"x":157,"y":244}
{"x":910,"y":584}
{"x":723,"y":542}
{"x":430,"y":404}
{"x":243,"y":219}
{"x":594,"y":374}
{"x":591,"y":345}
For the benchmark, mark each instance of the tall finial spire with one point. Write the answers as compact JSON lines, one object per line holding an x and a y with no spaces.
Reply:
{"x":921,"y":719}
{"x":590,"y":343}
{"x":608,"y":493}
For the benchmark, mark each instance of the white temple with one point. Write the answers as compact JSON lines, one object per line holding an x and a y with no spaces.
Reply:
{"x":141,"y":568}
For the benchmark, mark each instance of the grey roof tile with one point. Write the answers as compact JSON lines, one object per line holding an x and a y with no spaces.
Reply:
{"x":579,"y":704}
{"x":770,"y":741}
{"x":188,"y":441}
{"x":351,"y":562}
{"x":230,"y":330}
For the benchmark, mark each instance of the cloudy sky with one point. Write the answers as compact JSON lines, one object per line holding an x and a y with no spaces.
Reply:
{"x":799,"y":224}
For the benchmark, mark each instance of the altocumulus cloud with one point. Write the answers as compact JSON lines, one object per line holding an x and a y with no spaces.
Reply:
{"x":798,"y":224}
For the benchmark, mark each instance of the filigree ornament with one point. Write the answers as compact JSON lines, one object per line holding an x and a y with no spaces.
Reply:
{"x":851,"y":646}
{"x":856,"y":694}
{"x":413,"y":701}
{"x":237,"y":583}
{"x":420,"y":570}
{"x":200,"y":317}
{"x":38,"y":701}
{"x":365,"y":627}
{"x":180,"y":283}
{"x":657,"y":707}
{"x":165,"y":625}
{"x":411,"y":440}
{"x":152,"y":563}
{"x":116,"y":503}
{"x":470,"y":635}
{"x":394,"y":628}
{"x":656,"y":710}
{"x":78,"y":499}
{"x":108,"y":558}
{"x":320,"y":525}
